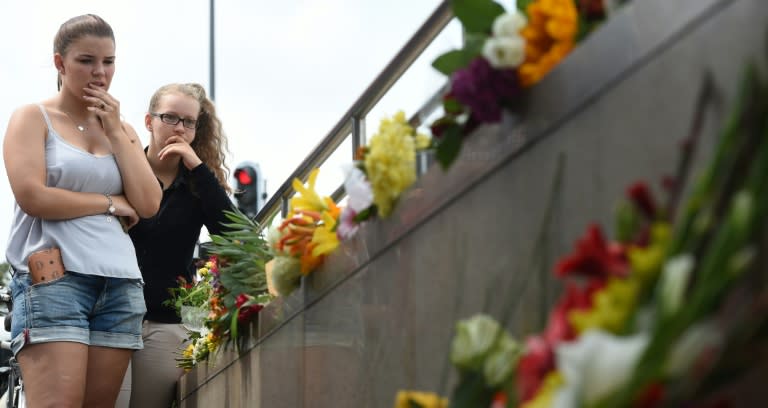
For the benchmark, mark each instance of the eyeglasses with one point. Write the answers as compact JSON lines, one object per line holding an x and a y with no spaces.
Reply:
{"x":171,"y":119}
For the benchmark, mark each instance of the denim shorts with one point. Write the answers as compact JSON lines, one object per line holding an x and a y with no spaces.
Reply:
{"x":88,"y":309}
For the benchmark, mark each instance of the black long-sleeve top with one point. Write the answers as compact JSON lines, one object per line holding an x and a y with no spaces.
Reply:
{"x":165,"y":243}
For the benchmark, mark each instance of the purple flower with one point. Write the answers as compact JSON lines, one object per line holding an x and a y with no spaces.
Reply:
{"x":484,"y":89}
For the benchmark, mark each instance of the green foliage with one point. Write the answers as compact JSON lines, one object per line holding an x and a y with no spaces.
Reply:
{"x":522,"y":5}
{"x":187,"y":294}
{"x":242,"y":253}
{"x":455,"y":60}
{"x":450,"y":145}
{"x":472,"y":391}
{"x":627,"y":222}
{"x":477,"y":15}
{"x":452,"y":61}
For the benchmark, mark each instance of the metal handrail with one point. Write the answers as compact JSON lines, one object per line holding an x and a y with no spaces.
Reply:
{"x":353,"y":120}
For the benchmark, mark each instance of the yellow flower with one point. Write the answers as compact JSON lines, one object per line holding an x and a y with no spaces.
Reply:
{"x":189,"y":351}
{"x":404,"y":399}
{"x":390,"y":162}
{"x":324,"y":239}
{"x":646,"y":262}
{"x":307,"y":198}
{"x":546,"y":394}
{"x":549,"y":36}
{"x":611,"y":306}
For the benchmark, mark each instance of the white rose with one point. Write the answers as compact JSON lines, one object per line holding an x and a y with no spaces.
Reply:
{"x":504,"y":52}
{"x":501,"y":362}
{"x":509,"y":24}
{"x":473,"y":341}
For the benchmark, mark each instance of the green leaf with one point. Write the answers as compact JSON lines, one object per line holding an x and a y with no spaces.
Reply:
{"x":364,"y":215}
{"x":455,"y":60}
{"x":233,"y":323}
{"x":472,"y":392}
{"x":473,"y":44}
{"x":452,"y":106}
{"x":522,"y":5}
{"x":451,"y":62}
{"x":449,"y":147}
{"x":477,"y":15}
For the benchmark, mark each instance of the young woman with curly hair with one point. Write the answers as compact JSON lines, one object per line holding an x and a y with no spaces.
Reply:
{"x":186,"y":152}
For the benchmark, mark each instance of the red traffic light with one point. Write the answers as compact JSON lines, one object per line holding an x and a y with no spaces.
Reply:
{"x":243,"y":177}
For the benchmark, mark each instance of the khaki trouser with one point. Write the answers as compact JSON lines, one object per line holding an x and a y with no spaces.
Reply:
{"x":150,"y":381}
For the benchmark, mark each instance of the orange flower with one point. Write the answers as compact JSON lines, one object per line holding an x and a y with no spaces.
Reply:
{"x":549,"y":36}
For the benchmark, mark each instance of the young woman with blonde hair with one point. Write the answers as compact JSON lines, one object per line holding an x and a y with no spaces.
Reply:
{"x":186,"y":152}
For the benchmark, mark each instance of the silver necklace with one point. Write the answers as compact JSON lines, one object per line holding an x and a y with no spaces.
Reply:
{"x":80,"y":127}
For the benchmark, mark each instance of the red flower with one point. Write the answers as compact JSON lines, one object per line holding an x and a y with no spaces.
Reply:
{"x":241,"y":299}
{"x":499,"y":400}
{"x":559,"y":327}
{"x":594,"y":257}
{"x":533,"y":366}
{"x":246,"y":313}
{"x":641,"y":196}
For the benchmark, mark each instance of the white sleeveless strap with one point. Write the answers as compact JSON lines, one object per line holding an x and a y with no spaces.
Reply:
{"x":45,"y":116}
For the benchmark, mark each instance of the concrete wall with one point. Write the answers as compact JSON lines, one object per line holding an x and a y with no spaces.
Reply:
{"x":379,"y":315}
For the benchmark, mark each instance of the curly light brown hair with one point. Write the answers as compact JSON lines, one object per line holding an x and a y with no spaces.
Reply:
{"x":210,"y":143}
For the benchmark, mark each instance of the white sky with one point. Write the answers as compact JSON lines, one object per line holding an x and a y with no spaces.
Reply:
{"x":285,"y":71}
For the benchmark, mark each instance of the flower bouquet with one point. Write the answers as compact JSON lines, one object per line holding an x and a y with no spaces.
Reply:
{"x":229,"y":293}
{"x":503,"y":54}
{"x":383,"y":170}
{"x":303,"y":239}
{"x":668,"y":313}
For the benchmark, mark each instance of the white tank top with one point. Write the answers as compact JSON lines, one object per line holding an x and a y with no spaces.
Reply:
{"x":92,"y":245}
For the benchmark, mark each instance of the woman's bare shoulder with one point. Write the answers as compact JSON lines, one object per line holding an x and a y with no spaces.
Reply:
{"x":26,"y":121}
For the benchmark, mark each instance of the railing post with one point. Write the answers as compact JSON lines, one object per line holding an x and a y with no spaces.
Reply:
{"x":358,"y":134}
{"x":284,"y":206}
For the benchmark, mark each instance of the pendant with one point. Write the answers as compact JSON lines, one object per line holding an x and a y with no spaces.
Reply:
{"x":81,"y":128}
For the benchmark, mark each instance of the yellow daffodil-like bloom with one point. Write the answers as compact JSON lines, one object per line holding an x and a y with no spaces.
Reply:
{"x":546,"y":394}
{"x":646,"y":262}
{"x":549,"y":36}
{"x":307,"y":198}
{"x":188,"y":351}
{"x":405,"y":399}
{"x":325,"y":240}
{"x":611,"y":306}
{"x":390,"y":161}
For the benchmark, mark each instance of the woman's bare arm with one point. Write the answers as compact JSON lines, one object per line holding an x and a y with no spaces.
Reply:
{"x":24,"y":158}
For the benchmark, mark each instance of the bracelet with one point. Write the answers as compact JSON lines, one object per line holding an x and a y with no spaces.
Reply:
{"x":110,"y":207}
